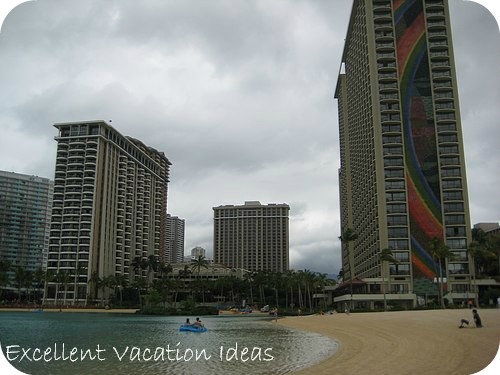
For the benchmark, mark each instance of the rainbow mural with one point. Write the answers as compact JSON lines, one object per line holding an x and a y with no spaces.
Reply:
{"x":422,"y":175}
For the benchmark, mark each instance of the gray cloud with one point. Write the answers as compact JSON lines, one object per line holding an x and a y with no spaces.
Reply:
{"x":238,"y":94}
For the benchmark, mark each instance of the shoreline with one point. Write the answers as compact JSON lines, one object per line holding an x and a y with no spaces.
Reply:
{"x":404,"y":342}
{"x":69,"y":310}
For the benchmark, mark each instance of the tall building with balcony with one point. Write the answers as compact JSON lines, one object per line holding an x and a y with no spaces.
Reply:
{"x":25,"y":206}
{"x":109,"y":209}
{"x":252,"y":236}
{"x":174,"y":247}
{"x":402,"y":171}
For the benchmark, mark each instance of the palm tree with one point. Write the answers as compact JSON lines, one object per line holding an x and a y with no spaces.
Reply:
{"x":309,"y":278}
{"x":48,"y":276}
{"x":38,"y":280}
{"x":321,"y":282}
{"x":4,"y":281}
{"x":63,"y":279}
{"x":136,"y":264}
{"x":442,"y":252}
{"x":96,"y":281}
{"x":109,"y":282}
{"x":346,"y":238}
{"x":386,"y":257}
{"x":139,"y":284}
{"x":121,"y":282}
{"x":248,"y":278}
{"x":164,"y":269}
{"x":80,"y":270}
{"x":28,"y":283}
{"x":19,"y":279}
{"x":260,"y":279}
{"x":5,"y":267}
{"x":494,"y":241}
{"x":340,"y":276}
{"x":276,"y":280}
{"x":198,"y":264}
{"x":152,"y":265}
{"x":473,"y":250}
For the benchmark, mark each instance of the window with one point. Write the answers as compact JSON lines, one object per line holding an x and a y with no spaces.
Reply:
{"x":396,"y":208}
{"x":453,"y":207}
{"x":395,"y":196}
{"x":399,"y":269}
{"x":398,"y":245}
{"x":456,"y":243}
{"x":393,"y":162}
{"x":396,"y":220}
{"x":397,"y":232}
{"x":458,"y":268}
{"x":394,"y":173}
{"x":455,"y":231}
{"x":395,"y":185}
{"x":452,"y":184}
{"x":454,"y":219}
{"x":401,"y":256}
{"x":450,"y":172}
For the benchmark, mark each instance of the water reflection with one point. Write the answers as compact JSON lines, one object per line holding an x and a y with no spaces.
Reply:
{"x":153,"y":345}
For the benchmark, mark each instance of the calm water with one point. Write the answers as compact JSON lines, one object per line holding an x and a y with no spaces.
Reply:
{"x":270,"y":348}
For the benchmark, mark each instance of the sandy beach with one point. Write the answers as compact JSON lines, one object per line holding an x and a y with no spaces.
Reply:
{"x":405,"y":342}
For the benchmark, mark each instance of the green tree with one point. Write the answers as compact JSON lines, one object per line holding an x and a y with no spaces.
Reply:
{"x":95,"y":281}
{"x":5,"y":267}
{"x":441,"y":252}
{"x":48,"y":276}
{"x":164,"y":269}
{"x":19,"y":280}
{"x":152,"y":266}
{"x":140,"y":285}
{"x":80,"y":270}
{"x":347,"y":238}
{"x":38,"y":280}
{"x":276,"y":282}
{"x":63,"y":278}
{"x":28,"y":283}
{"x":385,"y":258}
{"x":248,"y":278}
{"x":121,"y":282}
{"x":198,"y":264}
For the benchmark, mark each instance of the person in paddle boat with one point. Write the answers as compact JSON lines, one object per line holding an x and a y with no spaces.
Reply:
{"x":188,"y":323}
{"x":198,"y":323}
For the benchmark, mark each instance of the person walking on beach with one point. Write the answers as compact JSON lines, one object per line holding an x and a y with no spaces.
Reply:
{"x":477,"y":318}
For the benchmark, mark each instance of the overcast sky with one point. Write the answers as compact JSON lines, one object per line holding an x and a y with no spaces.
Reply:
{"x":238,"y":94}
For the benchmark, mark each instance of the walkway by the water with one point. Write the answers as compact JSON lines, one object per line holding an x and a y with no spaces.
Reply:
{"x":406,"y":342}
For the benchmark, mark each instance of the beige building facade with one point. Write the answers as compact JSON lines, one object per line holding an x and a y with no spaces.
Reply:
{"x":109,"y":208}
{"x":402,"y":172}
{"x":252,"y":236}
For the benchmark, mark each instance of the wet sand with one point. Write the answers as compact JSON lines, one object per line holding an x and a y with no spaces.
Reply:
{"x":404,"y":342}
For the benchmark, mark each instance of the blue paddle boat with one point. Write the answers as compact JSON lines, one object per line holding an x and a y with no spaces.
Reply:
{"x":192,"y":328}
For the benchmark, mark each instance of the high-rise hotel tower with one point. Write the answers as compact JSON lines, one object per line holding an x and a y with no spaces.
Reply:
{"x":402,"y":170}
{"x":25,"y":205}
{"x":109,"y":209}
{"x":254,"y":237}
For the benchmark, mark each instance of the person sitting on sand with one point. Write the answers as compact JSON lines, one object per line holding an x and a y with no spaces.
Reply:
{"x":462,"y":322}
{"x":477,"y":319}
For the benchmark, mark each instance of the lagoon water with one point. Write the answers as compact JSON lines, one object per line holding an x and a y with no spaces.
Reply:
{"x":124,"y":343}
